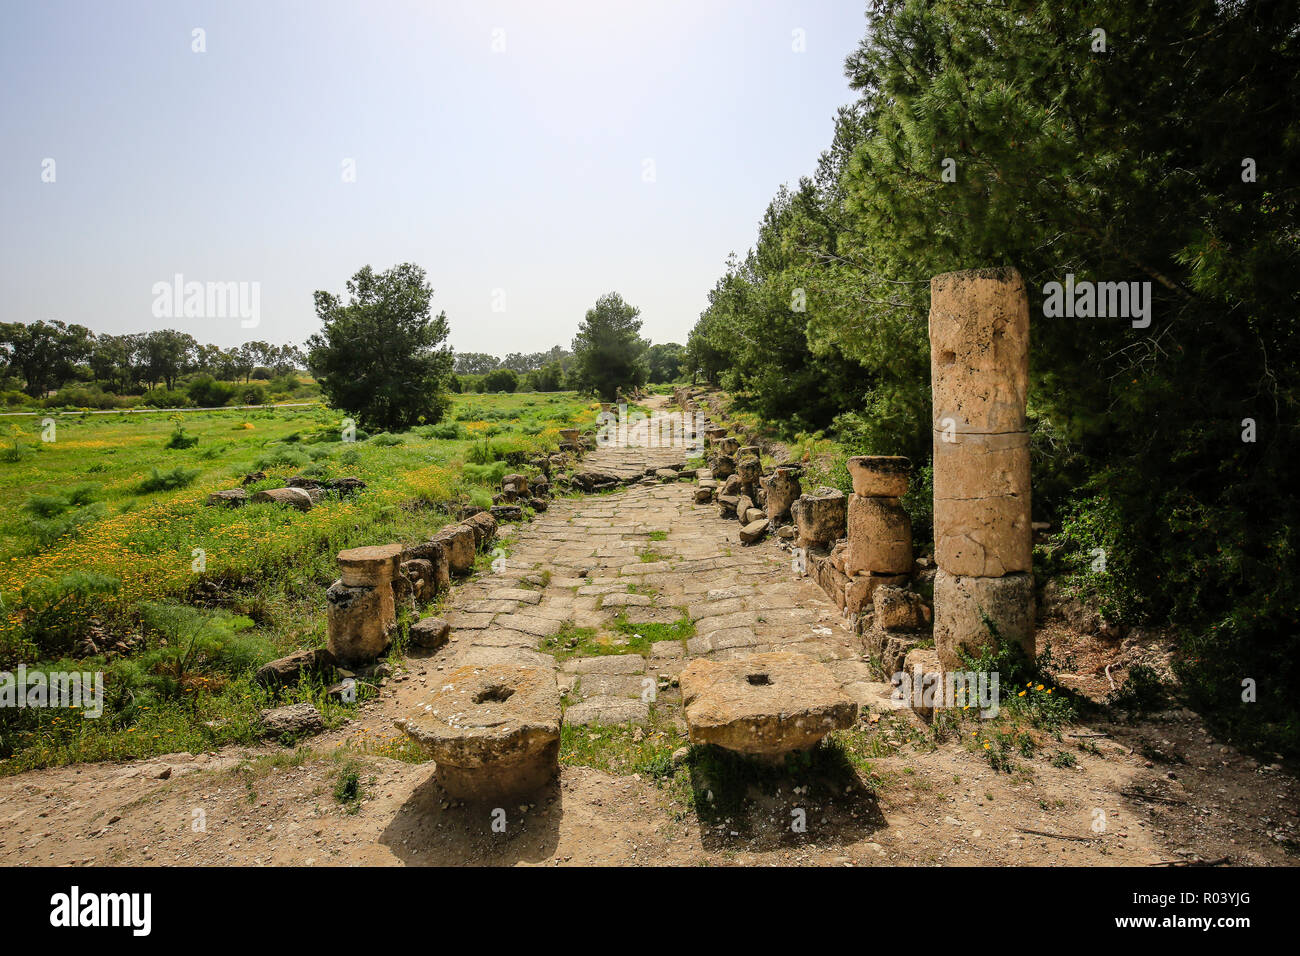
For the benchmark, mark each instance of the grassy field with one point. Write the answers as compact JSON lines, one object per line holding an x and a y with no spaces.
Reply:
{"x":105,"y":534}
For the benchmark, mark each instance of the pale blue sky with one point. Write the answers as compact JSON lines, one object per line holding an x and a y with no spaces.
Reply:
{"x":521,"y":170}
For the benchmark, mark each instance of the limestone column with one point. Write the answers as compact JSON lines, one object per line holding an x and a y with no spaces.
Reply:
{"x":879,"y":549}
{"x":362,"y":614}
{"x":979,"y":375}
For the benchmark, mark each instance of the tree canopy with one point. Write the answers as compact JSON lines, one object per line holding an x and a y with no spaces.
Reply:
{"x":608,"y":351}
{"x":381,"y":355}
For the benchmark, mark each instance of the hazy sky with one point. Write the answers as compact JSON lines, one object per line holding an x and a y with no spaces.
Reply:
{"x":602,"y":145}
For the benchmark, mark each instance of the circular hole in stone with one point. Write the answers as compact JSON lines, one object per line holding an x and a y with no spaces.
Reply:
{"x":495,"y":694}
{"x":759,"y":680}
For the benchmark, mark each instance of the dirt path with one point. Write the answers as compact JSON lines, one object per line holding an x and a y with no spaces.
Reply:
{"x":647,"y":555}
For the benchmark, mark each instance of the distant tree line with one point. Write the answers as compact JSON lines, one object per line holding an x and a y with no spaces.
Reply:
{"x":559,"y":369}
{"x":44,"y":356}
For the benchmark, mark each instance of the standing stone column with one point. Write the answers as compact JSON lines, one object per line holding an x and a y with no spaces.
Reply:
{"x":879,"y":550}
{"x":362,"y":614}
{"x":979,"y":374}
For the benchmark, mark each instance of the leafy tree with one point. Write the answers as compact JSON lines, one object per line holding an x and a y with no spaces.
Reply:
{"x":1007,"y":134}
{"x":548,"y":378}
{"x":501,"y":380}
{"x":381,"y":355}
{"x":608,"y":351}
{"x":44,"y":353}
{"x":475,"y":363}
{"x":167,"y":353}
{"x":665,"y":361}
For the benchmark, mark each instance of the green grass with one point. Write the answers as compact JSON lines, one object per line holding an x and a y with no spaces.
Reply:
{"x":76,"y":552}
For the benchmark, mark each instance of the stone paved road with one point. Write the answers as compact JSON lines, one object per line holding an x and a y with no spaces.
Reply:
{"x":649,"y":555}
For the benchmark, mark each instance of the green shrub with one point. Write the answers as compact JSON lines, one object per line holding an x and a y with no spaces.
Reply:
{"x":178,"y":477}
{"x":485,"y":474}
{"x":179,"y":440}
{"x":57,"y":613}
{"x":207,"y":392}
{"x":281,"y":457}
{"x":166,"y":398}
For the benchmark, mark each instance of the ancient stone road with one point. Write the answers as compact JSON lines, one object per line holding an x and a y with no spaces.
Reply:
{"x":652,"y":555}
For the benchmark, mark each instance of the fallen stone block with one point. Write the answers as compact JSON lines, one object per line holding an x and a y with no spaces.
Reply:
{"x":346,"y":486}
{"x":493,"y":731}
{"x":232,"y":498}
{"x":763,"y":705}
{"x":860,"y":589}
{"x":293,"y":497}
{"x":897,"y":609}
{"x":753,"y":531}
{"x":782,"y":489}
{"x":727,"y":505}
{"x":484,"y":527}
{"x":507,"y":513}
{"x":294,"y":720}
{"x":289,"y":670}
{"x":430,"y":633}
{"x":820,"y":517}
{"x":435,"y":552}
{"x":415,"y":580}
{"x":459,"y":540}
{"x":743,"y":504}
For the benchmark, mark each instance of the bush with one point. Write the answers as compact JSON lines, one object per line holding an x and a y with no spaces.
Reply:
{"x":57,"y":613}
{"x":486,"y":474}
{"x":501,"y":380}
{"x":50,"y":517}
{"x":386,"y":440}
{"x":207,"y":392}
{"x":282,"y":457}
{"x":191,"y":643}
{"x":179,"y":440}
{"x":166,"y":398}
{"x":252,"y":395}
{"x":84,"y":397}
{"x":178,"y":477}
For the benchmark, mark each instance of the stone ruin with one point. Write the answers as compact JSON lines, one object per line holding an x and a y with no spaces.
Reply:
{"x":299,"y":492}
{"x":493,"y":731}
{"x":362,"y":603}
{"x":763,"y":706}
{"x":979,"y":367}
{"x":362,"y":612}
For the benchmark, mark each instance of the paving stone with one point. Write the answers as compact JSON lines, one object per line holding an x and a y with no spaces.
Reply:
{"x":609,"y":711}
{"x":626,"y":600}
{"x":516,"y":594}
{"x":606,"y":664}
{"x":530,"y":624}
{"x":613,"y":685}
